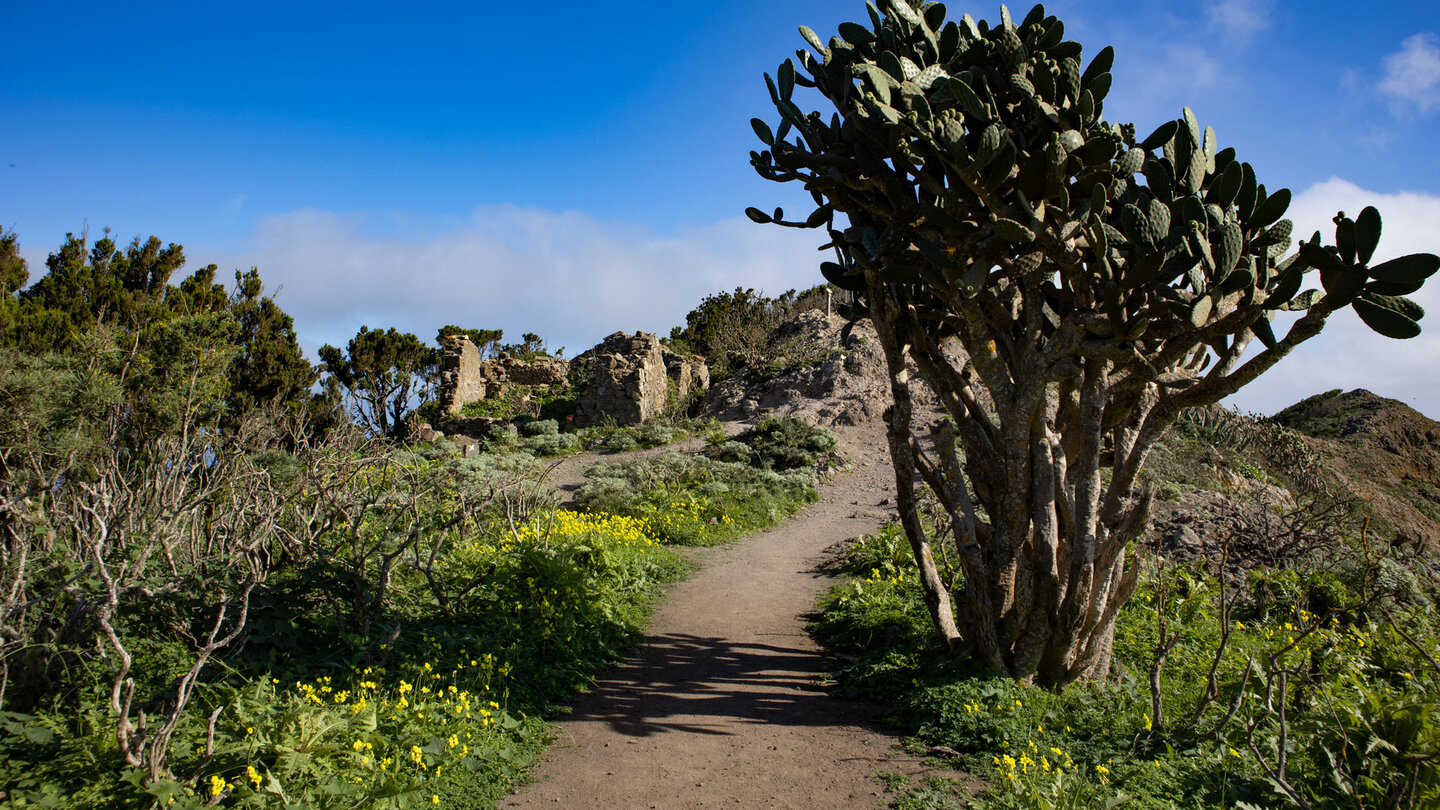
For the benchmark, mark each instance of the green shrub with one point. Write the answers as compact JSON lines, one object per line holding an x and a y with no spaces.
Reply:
{"x":695,"y":500}
{"x":1361,"y":693}
{"x":404,"y":656}
{"x":552,"y":444}
{"x":789,"y":443}
{"x":540,"y":427}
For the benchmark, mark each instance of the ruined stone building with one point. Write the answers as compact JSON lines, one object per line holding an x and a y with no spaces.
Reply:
{"x":625,"y":380}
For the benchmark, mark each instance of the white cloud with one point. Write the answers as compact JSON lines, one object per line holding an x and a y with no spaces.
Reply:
{"x":1412,"y":75}
{"x":1239,"y":19}
{"x":1348,"y":354}
{"x":1169,"y":75}
{"x":568,"y":277}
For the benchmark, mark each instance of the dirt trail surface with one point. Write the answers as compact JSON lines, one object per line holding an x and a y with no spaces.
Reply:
{"x":723,"y":705}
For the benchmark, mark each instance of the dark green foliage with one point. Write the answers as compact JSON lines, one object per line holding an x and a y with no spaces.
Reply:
{"x":486,"y":340}
{"x":530,"y":347}
{"x":127,"y":295}
{"x":788,"y":443}
{"x":122,"y":290}
{"x":383,"y":372}
{"x":270,"y":369}
{"x":733,"y":329}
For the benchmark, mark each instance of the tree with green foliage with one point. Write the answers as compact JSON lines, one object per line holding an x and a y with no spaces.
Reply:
{"x":1098,"y":283}
{"x":87,"y":286}
{"x":383,"y":373}
{"x":487,"y":341}
{"x":270,"y":367}
{"x":13,"y":275}
{"x":127,"y":293}
{"x":732,"y":329}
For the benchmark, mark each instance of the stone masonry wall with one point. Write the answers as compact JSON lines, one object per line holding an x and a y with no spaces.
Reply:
{"x":460,"y":378}
{"x":628,"y":381}
{"x":627,"y":377}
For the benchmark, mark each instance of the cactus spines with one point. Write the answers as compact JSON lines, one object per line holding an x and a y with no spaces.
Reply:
{"x":903,"y":10}
{"x":1012,"y":50}
{"x":989,"y":146}
{"x":969,"y":102}
{"x":1192,"y":126}
{"x":1129,"y":162}
{"x":927,"y":78}
{"x":1137,"y":226}
{"x":811,"y":38}
{"x":1231,"y":244}
{"x":1022,"y":85}
{"x":1070,"y":78}
{"x":1200,"y":311}
{"x":1159,"y":215}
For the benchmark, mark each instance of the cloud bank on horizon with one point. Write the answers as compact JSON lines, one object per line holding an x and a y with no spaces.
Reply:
{"x":572,"y":279}
{"x":569,"y":277}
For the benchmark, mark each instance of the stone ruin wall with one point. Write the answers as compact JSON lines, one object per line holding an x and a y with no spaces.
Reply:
{"x":460,"y":378}
{"x":629,"y":378}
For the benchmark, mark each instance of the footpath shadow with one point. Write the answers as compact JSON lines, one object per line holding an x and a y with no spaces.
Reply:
{"x":679,"y":682}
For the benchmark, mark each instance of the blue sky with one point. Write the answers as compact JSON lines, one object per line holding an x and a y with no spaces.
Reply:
{"x":577,"y":168}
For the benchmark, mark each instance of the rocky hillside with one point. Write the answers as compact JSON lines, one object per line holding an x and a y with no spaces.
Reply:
{"x":811,"y":373}
{"x":1384,"y":451}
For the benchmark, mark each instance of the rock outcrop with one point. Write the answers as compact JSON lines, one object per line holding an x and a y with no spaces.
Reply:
{"x":815,"y":376}
{"x":627,"y":381}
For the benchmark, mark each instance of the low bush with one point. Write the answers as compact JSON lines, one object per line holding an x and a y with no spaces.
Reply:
{"x":694,"y":500}
{"x":788,"y":443}
{"x":618,"y":438}
{"x":1324,"y":693}
{"x":540,"y":427}
{"x":551,"y":444}
{"x":418,"y":617}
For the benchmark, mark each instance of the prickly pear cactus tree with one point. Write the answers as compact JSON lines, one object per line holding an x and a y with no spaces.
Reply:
{"x":1097,"y":282}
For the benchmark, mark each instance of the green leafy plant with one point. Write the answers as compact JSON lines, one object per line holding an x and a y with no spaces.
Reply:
{"x":1099,"y":283}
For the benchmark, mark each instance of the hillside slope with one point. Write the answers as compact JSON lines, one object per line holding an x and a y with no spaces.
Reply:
{"x":1384,"y":451}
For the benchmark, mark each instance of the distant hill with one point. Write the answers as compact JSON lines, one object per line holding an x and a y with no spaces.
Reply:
{"x":1381,"y":449}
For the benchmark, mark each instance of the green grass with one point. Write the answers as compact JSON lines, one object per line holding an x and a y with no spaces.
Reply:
{"x":1362,"y":701}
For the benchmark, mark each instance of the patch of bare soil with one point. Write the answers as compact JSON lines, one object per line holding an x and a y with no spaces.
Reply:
{"x":724,"y":704}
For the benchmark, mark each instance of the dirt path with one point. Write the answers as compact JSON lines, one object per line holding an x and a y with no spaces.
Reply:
{"x":724,"y":704}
